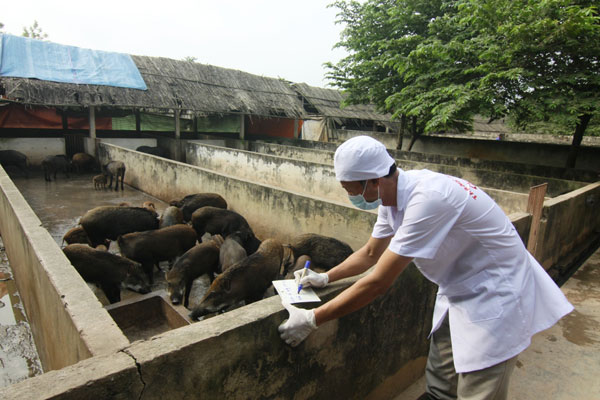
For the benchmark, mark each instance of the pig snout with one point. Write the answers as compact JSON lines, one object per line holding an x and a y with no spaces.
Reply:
{"x":175,"y":295}
{"x":208,"y":307}
{"x":137,"y":283}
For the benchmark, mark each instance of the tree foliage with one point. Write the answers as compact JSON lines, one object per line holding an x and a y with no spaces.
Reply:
{"x":34,"y":32}
{"x":444,"y":61}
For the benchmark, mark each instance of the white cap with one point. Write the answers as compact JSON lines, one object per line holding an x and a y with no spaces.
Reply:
{"x":361,"y":158}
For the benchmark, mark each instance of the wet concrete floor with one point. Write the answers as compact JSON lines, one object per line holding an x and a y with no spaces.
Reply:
{"x":59,"y":205}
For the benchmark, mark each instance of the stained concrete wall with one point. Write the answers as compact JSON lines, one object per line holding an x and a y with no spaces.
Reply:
{"x":311,"y":178}
{"x":317,"y":179}
{"x":271,"y":211}
{"x":68,"y":322}
{"x":491,"y":175}
{"x":239,"y":354}
{"x":34,"y":148}
{"x":568,"y":222}
{"x":554,"y":155}
{"x":305,"y":150}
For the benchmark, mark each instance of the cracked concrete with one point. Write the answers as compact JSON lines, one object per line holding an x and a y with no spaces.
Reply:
{"x":139,"y":369}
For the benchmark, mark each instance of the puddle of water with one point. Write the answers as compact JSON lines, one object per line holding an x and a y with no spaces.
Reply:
{"x":18,"y":356}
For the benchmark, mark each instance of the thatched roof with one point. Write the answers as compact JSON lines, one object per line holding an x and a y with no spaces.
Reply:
{"x":172,"y":84}
{"x":327,"y":102}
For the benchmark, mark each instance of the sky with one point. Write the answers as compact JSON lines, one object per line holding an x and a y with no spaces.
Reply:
{"x":288,"y":39}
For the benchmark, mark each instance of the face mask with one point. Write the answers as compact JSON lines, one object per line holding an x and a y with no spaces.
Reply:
{"x":359,"y":201}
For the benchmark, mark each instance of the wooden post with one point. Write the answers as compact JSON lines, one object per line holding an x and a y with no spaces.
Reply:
{"x":92,"y":122}
{"x":177,"y":136}
{"x":138,"y":120}
{"x":535,"y":204}
{"x":296,"y":128}
{"x":242,"y":127}
{"x":65,"y":121}
{"x":92,"y":118}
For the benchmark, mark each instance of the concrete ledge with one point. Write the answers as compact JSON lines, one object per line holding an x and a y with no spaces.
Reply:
{"x":113,"y":376}
{"x":567,"y":222}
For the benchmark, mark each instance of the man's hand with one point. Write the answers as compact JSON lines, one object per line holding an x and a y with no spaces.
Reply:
{"x":298,"y":326}
{"x":311,"y":278}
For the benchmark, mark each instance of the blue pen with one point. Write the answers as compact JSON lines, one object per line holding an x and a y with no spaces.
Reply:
{"x":306,"y":265}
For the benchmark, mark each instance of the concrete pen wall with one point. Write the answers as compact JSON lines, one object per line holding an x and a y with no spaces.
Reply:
{"x":67,"y":321}
{"x":568,"y":224}
{"x":313,"y":179}
{"x":491,"y":175}
{"x":372,"y":353}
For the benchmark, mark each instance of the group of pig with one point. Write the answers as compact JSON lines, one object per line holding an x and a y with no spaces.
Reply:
{"x":198,"y":236}
{"x":80,"y":162}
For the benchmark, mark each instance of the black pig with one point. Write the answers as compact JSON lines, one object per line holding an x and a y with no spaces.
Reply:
{"x":245,"y":281}
{"x":13,"y":158}
{"x":325,"y":252}
{"x":218,"y":221}
{"x":201,"y":259}
{"x":108,"y":222}
{"x":151,"y":247}
{"x":192,"y":202}
{"x":116,"y":169}
{"x":109,"y":271}
{"x":52,"y":164}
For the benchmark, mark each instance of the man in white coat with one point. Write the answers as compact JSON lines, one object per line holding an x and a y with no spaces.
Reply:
{"x":493,"y":295}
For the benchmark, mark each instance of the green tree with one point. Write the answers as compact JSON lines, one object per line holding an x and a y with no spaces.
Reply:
{"x":34,"y":32}
{"x":190,"y":59}
{"x":374,"y":32}
{"x":529,"y":60}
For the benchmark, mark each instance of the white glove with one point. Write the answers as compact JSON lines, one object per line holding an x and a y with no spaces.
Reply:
{"x":298,"y":326}
{"x":311,"y":278}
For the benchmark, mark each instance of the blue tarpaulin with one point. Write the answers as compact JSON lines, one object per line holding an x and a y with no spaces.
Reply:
{"x":23,"y":57}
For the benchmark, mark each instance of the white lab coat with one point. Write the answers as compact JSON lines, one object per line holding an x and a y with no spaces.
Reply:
{"x":496,"y":293}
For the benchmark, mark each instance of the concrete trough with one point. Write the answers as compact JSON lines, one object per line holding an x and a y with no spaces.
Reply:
{"x":148,"y":315}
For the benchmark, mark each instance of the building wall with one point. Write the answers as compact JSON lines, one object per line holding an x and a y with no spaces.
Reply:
{"x":36,"y":149}
{"x":275,"y":127}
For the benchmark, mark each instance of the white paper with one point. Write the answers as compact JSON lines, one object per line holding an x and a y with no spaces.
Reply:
{"x":288,"y":291}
